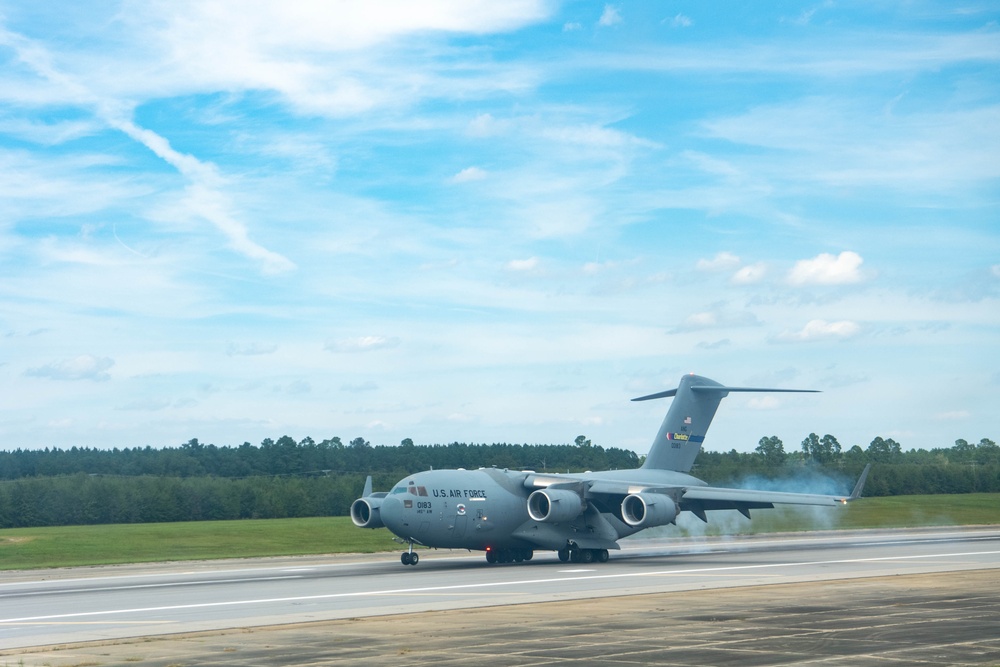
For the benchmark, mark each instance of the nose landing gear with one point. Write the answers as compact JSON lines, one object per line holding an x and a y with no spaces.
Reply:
{"x":410,"y":557}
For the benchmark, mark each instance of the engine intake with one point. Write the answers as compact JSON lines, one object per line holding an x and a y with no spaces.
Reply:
{"x":366,"y":513}
{"x":555,"y":505}
{"x":644,"y":510}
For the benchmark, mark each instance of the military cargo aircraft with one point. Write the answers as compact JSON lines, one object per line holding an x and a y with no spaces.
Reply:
{"x":581,"y":516}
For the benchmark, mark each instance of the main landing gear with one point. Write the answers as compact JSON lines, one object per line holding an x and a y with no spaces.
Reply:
{"x":508,"y":555}
{"x":583,"y":555}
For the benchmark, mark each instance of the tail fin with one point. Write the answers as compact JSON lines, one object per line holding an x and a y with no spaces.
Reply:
{"x":683,"y":430}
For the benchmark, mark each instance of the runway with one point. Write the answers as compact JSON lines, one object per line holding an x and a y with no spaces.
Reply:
{"x":107,"y":604}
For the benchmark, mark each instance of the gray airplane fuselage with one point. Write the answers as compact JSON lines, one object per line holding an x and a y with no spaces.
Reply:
{"x":487,"y":508}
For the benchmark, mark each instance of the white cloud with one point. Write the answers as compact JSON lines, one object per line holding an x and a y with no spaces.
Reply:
{"x":826,"y":269}
{"x":529,"y":264}
{"x":362,"y":344}
{"x":486,"y":125}
{"x":995,"y":270}
{"x":593,"y":268}
{"x":469,"y":174}
{"x":701,"y":320}
{"x":681,"y":21}
{"x":83,"y":367}
{"x":723,"y":261}
{"x":750,"y":274}
{"x":763,"y":403}
{"x":720,"y":318}
{"x":822,"y":330}
{"x":359,"y":387}
{"x":146,"y":405}
{"x":610,"y":16}
{"x":250,"y":349}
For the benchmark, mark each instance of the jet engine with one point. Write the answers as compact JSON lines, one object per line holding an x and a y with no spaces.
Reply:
{"x":644,"y":510}
{"x":366,"y":513}
{"x":555,"y":505}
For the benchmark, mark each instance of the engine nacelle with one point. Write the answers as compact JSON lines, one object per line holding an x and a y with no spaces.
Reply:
{"x":644,"y":510}
{"x":555,"y":505}
{"x":366,"y":513}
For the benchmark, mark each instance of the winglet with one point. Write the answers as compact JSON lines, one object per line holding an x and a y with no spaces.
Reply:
{"x":368,"y":487}
{"x":859,"y":487}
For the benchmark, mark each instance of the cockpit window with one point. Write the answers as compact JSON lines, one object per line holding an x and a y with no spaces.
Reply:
{"x":398,"y":490}
{"x":418,"y":490}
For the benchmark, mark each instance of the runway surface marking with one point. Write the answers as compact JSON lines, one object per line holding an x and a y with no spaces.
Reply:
{"x":458,"y":587}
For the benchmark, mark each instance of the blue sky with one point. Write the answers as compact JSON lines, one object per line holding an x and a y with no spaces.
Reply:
{"x":485,"y":222}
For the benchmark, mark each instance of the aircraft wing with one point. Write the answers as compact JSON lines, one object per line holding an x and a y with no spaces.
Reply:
{"x":698,"y":499}
{"x":736,"y":497}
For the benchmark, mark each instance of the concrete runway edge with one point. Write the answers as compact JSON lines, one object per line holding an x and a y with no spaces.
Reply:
{"x":927,"y":619}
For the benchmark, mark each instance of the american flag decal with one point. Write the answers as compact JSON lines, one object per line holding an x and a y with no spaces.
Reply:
{"x":687,"y":420}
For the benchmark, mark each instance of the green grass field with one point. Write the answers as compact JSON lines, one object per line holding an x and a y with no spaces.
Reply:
{"x":28,"y":548}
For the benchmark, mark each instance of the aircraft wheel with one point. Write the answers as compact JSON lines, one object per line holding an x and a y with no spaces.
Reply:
{"x":518,"y":556}
{"x":414,"y":558}
{"x":586,"y":555}
{"x":563,"y":555}
{"x":528,"y":554}
{"x":574,"y":556}
{"x":491,"y":557}
{"x":602,"y":555}
{"x":405,"y":558}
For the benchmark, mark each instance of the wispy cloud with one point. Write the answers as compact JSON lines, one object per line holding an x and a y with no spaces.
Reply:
{"x":816,"y":330}
{"x":610,"y":16}
{"x":83,"y":367}
{"x":254,"y":209}
{"x":723,"y":261}
{"x":205,"y":197}
{"x":362,"y":344}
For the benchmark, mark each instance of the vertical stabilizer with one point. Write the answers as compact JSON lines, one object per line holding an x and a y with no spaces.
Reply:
{"x":683,"y":430}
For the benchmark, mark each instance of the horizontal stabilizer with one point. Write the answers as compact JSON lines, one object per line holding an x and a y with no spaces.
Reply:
{"x":724,"y":390}
{"x":661,"y":394}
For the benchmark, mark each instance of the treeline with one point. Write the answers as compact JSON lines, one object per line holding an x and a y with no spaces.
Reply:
{"x":821,"y":465}
{"x":285,"y":456}
{"x":285,"y":478}
{"x":82,"y":499}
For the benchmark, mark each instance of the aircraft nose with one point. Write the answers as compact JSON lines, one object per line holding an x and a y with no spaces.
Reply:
{"x":392,"y":514}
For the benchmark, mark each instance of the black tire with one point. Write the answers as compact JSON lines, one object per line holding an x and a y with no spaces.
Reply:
{"x":528,"y":554}
{"x":586,"y":555}
{"x":563,"y":555}
{"x":414,"y":558}
{"x":491,"y":557}
{"x":405,"y":558}
{"x":602,"y":556}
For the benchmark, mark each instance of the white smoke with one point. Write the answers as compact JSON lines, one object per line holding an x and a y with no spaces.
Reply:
{"x":782,"y":518}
